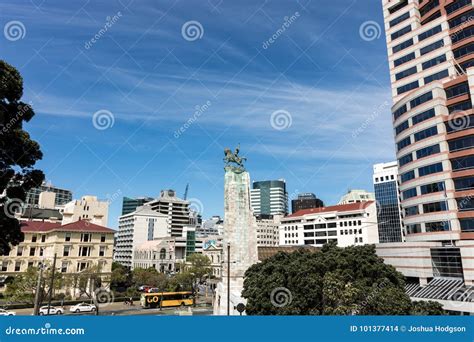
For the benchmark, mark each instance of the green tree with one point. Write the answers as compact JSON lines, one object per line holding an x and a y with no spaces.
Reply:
{"x":332,"y":281}
{"x":182,"y":281}
{"x":429,"y":308}
{"x":121,"y":277}
{"x":149,"y":276}
{"x":18,"y":155}
{"x":23,"y":287}
{"x":200,"y":267}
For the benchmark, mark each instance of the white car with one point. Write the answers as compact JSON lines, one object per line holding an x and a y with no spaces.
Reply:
{"x":4,"y":312}
{"x":83,"y":307}
{"x":52,"y":310}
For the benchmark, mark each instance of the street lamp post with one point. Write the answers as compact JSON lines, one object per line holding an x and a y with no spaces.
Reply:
{"x":228,"y":279}
{"x":38,"y":289}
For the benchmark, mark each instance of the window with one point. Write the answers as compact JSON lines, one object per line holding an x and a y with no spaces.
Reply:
{"x":460,"y":107}
{"x":463,"y":34}
{"x":433,"y":62}
{"x":404,"y":59}
{"x":407,"y":87}
{"x":446,"y":262}
{"x":464,"y":183}
{"x":102,"y":251}
{"x":434,"y":207}
{"x":407,"y":176}
{"x":457,"y":5}
{"x":399,"y":19}
{"x":423,"y":116}
{"x":405,"y":159}
{"x":401,"y":32}
{"x":34,"y":238}
{"x":410,"y":211}
{"x":19,"y":251}
{"x":413,"y":228}
{"x":467,"y":225}
{"x":32,"y":251}
{"x":43,"y":238}
{"x":428,"y":7}
{"x":400,"y":128}
{"x":430,"y":169}
{"x":64,"y":267}
{"x":398,"y":6}
{"x":421,"y":99}
{"x":429,"y":33}
{"x":84,"y":251}
{"x":465,"y":203}
{"x":457,"y":90}
{"x":403,"y":143}
{"x":81,"y":266}
{"x":85,"y":237}
{"x":409,"y":193}
{"x":438,"y":76}
{"x":461,"y":143}
{"x":438,"y":226}
{"x":426,"y":133}
{"x":399,"y":112}
{"x":402,"y":46}
{"x":102,"y":238}
{"x":431,"y":188}
{"x":463,"y":163}
{"x":406,"y":73}
{"x":66,"y":250}
{"x":464,"y":50}
{"x":17,"y":266}
{"x":67,"y":237}
{"x":431,"y":47}
{"x":461,"y":19}
{"x":432,"y":17}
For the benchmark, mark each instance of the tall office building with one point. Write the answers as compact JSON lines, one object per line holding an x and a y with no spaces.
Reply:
{"x":176,"y":209}
{"x":269,"y":198}
{"x":305,"y":201}
{"x":63,"y":196}
{"x":431,"y":59}
{"x":388,"y":203}
{"x":129,"y":205}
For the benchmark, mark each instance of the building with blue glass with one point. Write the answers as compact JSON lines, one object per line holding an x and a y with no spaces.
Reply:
{"x":269,"y":198}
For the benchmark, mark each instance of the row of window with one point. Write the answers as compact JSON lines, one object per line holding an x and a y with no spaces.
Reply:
{"x":428,"y":7}
{"x":461,"y":19}
{"x":462,"y":163}
{"x":421,"y":153}
{"x":463,"y":34}
{"x":422,"y":171}
{"x":424,"y":190}
{"x":457,"y":5}
{"x":418,"y":136}
{"x":461,"y":143}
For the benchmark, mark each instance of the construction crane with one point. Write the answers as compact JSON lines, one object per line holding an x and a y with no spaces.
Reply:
{"x":186,"y":192}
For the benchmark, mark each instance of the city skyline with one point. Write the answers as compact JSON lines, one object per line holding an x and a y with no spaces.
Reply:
{"x":317,"y":70}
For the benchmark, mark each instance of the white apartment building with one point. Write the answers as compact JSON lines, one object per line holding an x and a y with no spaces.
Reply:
{"x":135,"y":228}
{"x":269,"y":197}
{"x":268,"y":230}
{"x":357,"y":196}
{"x":87,"y":208}
{"x":345,"y":224}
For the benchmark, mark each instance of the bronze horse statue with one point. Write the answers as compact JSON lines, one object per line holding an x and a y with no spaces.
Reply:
{"x":233,"y":157}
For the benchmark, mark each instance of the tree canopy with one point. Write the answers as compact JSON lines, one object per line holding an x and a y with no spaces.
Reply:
{"x":333,"y":281}
{"x":18,"y":155}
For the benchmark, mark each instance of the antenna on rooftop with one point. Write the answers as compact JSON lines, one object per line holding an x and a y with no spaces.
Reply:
{"x":186,"y":192}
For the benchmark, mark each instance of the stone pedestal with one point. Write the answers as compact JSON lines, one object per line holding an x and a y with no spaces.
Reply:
{"x":240,"y":232}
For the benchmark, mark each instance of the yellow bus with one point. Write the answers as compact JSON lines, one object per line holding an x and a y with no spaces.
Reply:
{"x":166,"y":299}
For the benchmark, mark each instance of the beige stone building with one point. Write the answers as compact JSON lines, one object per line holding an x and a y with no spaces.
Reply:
{"x":78,"y":246}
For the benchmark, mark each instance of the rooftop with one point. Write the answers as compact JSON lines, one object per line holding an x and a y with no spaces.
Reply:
{"x":332,"y":208}
{"x":78,"y":226}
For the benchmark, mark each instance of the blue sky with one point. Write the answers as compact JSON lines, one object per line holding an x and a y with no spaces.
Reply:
{"x":320,"y":73}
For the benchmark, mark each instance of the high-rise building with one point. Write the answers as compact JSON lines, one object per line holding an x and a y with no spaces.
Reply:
{"x":388,"y":203}
{"x":305,"y":201}
{"x":431,"y":60}
{"x":344,"y":224}
{"x":129,"y":205}
{"x":357,"y":196}
{"x":135,"y":228}
{"x":33,"y":195}
{"x":176,"y":209}
{"x":268,"y":230}
{"x":269,"y":198}
{"x":88,"y":208}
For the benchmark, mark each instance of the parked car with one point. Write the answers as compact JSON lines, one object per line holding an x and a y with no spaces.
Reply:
{"x":83,"y":307}
{"x":52,"y":310}
{"x":144,"y":288}
{"x":4,"y":312}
